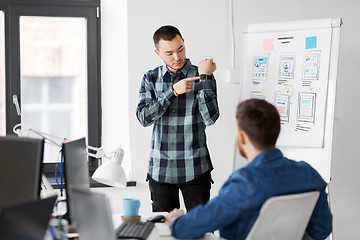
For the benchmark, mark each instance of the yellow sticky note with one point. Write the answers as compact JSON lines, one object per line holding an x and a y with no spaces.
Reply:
{"x":286,"y":89}
{"x":299,"y":66}
{"x":264,"y":92}
{"x":313,"y":88}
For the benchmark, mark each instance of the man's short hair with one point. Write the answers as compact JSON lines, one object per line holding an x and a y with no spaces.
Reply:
{"x":260,"y":121}
{"x":166,"y":33}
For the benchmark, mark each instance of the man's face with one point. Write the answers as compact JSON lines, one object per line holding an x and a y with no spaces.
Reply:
{"x":172,"y":53}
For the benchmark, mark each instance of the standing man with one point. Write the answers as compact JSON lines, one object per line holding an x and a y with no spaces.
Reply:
{"x":180,"y":104}
{"x":268,"y":174}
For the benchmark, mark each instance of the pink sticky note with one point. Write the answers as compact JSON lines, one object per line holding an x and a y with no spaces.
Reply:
{"x":280,"y":109}
{"x":268,"y":44}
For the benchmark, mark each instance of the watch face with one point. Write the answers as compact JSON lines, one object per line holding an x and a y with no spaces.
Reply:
{"x":204,"y":77}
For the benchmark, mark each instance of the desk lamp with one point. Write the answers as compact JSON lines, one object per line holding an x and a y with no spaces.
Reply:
{"x":111,"y":172}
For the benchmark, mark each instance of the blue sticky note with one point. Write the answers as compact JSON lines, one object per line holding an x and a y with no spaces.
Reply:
{"x":310,"y":42}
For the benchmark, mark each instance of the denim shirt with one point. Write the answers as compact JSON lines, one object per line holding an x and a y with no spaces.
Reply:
{"x":237,"y":206}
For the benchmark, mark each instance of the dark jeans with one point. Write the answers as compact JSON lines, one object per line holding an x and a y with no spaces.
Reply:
{"x":165,"y":196}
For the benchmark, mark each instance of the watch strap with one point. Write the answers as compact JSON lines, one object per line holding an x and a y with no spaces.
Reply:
{"x":204,"y":77}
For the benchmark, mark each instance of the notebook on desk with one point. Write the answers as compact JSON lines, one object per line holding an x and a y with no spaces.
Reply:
{"x":94,"y":219}
{"x":26,"y":220}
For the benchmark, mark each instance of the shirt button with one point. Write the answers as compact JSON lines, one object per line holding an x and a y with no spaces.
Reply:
{"x":174,"y":111}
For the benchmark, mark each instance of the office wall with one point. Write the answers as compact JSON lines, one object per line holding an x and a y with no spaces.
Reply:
{"x":205,"y":27}
{"x":206,"y":35}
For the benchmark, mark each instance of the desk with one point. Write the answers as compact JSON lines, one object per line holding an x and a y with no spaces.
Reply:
{"x":161,"y":230}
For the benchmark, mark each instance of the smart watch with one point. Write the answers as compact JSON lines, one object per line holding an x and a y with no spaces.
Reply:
{"x":173,"y":90}
{"x":204,"y":77}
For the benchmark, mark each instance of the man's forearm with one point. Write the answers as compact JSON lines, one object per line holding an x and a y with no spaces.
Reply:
{"x":149,"y":110}
{"x":208,"y":104}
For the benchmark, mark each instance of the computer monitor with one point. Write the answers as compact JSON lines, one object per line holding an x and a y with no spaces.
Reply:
{"x":26,"y":220}
{"x":76,"y":171}
{"x":97,"y":223}
{"x":20,"y":168}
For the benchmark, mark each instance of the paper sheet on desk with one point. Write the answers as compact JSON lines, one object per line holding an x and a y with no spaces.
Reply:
{"x":164,"y":231}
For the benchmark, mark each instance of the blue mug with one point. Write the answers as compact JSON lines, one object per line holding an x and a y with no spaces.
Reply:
{"x":131,"y":207}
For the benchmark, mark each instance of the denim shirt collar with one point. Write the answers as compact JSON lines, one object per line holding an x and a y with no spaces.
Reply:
{"x":185,"y":69}
{"x":266,"y":156}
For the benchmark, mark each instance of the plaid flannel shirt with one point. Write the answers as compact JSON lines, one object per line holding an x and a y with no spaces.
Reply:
{"x":178,"y":147}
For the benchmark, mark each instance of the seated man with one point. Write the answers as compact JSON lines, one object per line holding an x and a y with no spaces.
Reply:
{"x":268,"y":174}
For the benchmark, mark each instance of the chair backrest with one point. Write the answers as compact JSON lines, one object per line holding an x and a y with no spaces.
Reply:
{"x":284,"y":217}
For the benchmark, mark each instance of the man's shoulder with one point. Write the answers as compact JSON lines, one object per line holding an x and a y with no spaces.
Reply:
{"x":193,"y":66}
{"x":153,"y":74}
{"x":301,"y":164}
{"x":241,"y":174}
{"x":305,"y":167}
{"x":154,"y":71}
{"x":189,"y":66}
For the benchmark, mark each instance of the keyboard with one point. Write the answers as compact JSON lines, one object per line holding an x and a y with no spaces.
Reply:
{"x":134,"y":229}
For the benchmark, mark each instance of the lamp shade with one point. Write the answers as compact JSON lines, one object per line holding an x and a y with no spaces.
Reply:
{"x":111,"y":172}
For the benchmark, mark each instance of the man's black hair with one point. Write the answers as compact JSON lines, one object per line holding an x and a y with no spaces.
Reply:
{"x":166,"y":33}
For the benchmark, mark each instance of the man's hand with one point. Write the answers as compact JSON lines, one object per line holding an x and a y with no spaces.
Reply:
{"x":207,"y":66}
{"x":184,"y":85}
{"x":174,"y":214}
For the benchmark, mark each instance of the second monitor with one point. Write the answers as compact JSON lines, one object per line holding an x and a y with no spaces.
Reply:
{"x":76,"y":170}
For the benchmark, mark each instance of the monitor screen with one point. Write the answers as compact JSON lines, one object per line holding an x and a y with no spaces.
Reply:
{"x":76,"y":170}
{"x":20,"y":168}
{"x":26,"y":220}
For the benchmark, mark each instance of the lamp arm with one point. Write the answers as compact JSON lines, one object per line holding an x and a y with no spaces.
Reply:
{"x":46,"y":136}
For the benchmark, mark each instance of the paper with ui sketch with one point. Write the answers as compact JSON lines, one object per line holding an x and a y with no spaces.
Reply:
{"x":306,"y":109}
{"x":311,"y":65}
{"x":282,"y":103}
{"x":287,"y":65}
{"x":260,"y":67}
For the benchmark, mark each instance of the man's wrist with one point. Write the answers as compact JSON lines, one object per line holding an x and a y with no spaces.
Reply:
{"x":172,"y":89}
{"x":204,"y":77}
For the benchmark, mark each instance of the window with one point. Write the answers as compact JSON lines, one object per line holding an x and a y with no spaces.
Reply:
{"x":53,"y":85}
{"x":52,"y":69}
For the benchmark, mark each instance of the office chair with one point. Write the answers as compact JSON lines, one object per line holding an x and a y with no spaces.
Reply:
{"x":284,"y":217}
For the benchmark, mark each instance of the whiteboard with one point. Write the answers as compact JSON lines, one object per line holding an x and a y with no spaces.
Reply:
{"x":293,"y":65}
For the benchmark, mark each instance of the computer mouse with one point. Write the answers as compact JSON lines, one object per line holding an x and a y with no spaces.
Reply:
{"x":156,"y":218}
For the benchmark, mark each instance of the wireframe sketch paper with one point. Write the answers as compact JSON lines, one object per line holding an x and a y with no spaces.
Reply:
{"x":260,"y":67}
{"x":311,"y":65}
{"x":287,"y":65}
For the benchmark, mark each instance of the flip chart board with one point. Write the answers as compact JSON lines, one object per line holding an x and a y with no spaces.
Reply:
{"x":293,"y":65}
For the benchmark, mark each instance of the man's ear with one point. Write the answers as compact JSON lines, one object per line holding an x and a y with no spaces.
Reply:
{"x":241,"y":137}
{"x":157,"y":52}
